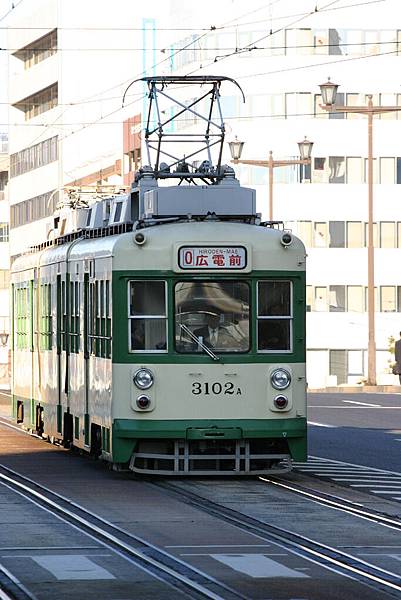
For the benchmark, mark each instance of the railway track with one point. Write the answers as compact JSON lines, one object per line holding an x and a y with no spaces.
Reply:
{"x":337,"y":503}
{"x":188,"y":579}
{"x":11,"y":588}
{"x":174,"y":572}
{"x":324,"y":555}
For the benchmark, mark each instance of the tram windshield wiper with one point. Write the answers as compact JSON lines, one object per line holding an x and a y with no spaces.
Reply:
{"x":197,"y":340}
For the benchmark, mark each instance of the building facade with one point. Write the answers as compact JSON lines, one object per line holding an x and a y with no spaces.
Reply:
{"x":67,"y":78}
{"x":279,"y":56}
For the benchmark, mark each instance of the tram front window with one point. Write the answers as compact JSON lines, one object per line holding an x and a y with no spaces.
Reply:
{"x":212,"y":314}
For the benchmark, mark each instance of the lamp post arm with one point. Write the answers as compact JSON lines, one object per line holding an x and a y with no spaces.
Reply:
{"x":361,"y":110}
{"x":274,"y":163}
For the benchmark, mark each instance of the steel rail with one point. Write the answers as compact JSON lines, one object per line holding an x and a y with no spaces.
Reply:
{"x":337,"y":503}
{"x":325,"y":556}
{"x":145,"y":555}
{"x":11,"y":588}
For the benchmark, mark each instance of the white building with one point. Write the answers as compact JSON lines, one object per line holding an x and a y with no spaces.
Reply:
{"x":69,"y":65}
{"x":61,"y":83}
{"x":280,"y":52}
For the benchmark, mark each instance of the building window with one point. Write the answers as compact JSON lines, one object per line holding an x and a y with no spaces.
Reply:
{"x":338,"y":365}
{"x":304,"y":230}
{"x":33,"y":209}
{"x":387,"y":170}
{"x":3,"y":143}
{"x":320,"y":299}
{"x":38,"y":103}
{"x":4,"y":279}
{"x":339,"y":102}
{"x":388,"y":100}
{"x":298,"y":41}
{"x":298,"y":104}
{"x":39,"y":50}
{"x":321,"y":235}
{"x":387,"y":235}
{"x":319,"y":112}
{"x":353,"y":100}
{"x":334,"y":42}
{"x":388,"y":298}
{"x":337,"y":234}
{"x":337,"y":169}
{"x":321,"y":41}
{"x":354,"y":234}
{"x":34,"y":157}
{"x":355,"y":363}
{"x":375,"y":240}
{"x":3,"y":232}
{"x":375,"y":170}
{"x":337,"y":298}
{"x":355,"y":299}
{"x":354,"y":169}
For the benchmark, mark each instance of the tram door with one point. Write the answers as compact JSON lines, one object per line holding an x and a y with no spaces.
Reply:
{"x":59,"y":345}
{"x":86,"y":356}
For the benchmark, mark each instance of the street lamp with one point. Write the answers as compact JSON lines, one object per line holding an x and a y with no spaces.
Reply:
{"x":329,"y":93}
{"x":305,"y":149}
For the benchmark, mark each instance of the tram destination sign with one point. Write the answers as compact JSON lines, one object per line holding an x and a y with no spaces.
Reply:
{"x":212,"y":257}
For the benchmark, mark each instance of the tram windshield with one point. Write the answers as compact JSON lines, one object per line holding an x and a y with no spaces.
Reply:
{"x":212,"y":314}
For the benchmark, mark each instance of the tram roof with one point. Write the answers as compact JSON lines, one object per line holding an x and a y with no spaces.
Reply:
{"x":162,"y":242}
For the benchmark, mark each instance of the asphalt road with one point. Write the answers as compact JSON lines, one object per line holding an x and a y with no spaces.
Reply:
{"x":363,"y":429}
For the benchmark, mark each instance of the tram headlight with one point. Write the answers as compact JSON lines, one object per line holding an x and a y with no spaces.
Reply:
{"x":280,"y":379}
{"x":143,"y":379}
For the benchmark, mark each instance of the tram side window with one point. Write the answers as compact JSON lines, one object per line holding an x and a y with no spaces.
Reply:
{"x":99,"y":321}
{"x":22,"y":318}
{"x":74,"y":312}
{"x":45,"y":322}
{"x":274,"y":316}
{"x":147,"y":316}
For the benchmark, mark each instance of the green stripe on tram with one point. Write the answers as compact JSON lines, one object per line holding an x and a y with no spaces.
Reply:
{"x":126,"y":432}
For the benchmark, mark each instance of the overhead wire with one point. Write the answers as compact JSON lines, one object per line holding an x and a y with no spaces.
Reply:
{"x":101,"y":120}
{"x":212,"y":28}
{"x":209,"y":48}
{"x":207,"y":29}
{"x":251,"y":75}
{"x":251,"y":46}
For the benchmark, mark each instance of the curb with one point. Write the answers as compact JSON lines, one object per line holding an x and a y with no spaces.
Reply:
{"x":361,"y":389}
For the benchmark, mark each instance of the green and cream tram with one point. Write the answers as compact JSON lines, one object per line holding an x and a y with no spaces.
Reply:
{"x":164,"y":329}
{"x":177,"y":347}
